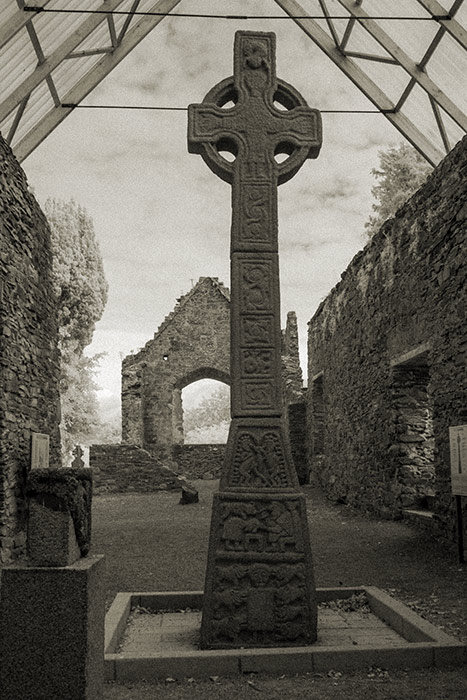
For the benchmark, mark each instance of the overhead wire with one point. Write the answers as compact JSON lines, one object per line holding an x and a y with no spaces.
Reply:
{"x":71,"y":105}
{"x":200,"y":15}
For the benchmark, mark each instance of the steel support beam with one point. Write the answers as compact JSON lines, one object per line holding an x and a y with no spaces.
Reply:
{"x":359,"y":78}
{"x":15,"y":23}
{"x":389,"y":45}
{"x":51,"y":62}
{"x":451,"y":25}
{"x":440,"y":123}
{"x":329,"y":22}
{"x":371,"y":57}
{"x":88,"y":82}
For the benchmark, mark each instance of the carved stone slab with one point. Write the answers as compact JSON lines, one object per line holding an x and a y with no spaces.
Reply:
{"x":261,"y":590}
{"x":259,"y":581}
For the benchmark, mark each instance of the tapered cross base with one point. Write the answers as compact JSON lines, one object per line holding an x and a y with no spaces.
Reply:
{"x":259,"y":582}
{"x":259,"y":588}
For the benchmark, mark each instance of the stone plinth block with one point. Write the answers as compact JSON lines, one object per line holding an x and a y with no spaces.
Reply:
{"x":52,"y":631}
{"x":260,"y":588}
{"x":59,"y":522}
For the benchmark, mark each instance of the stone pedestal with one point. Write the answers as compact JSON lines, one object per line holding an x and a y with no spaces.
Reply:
{"x":51,"y":536}
{"x":259,"y":589}
{"x":59,"y":518}
{"x":52,"y":631}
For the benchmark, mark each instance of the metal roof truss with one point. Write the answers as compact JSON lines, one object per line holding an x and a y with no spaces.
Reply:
{"x":40,"y":93}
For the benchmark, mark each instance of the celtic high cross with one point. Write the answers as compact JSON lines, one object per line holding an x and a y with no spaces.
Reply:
{"x":259,"y":581}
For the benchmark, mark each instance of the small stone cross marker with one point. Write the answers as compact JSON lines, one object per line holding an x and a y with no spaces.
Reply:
{"x":78,"y":453}
{"x":259,"y":582}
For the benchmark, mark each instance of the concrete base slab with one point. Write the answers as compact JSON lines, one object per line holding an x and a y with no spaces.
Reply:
{"x":155,"y":635}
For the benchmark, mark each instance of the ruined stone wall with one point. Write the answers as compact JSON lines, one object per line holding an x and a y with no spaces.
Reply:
{"x":296,"y":421}
{"x":192,"y":343}
{"x":29,"y":356}
{"x":387,"y":358}
{"x":292,"y":378}
{"x":196,"y":461}
{"x":293,"y":396}
{"x":127,"y":468}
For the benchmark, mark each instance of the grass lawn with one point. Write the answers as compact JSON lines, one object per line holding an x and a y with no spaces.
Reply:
{"x":152,"y":543}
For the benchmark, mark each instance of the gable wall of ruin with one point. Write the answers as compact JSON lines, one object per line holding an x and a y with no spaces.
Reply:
{"x":192,"y":343}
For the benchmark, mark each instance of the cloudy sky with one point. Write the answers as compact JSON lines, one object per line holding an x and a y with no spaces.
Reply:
{"x":163,"y":219}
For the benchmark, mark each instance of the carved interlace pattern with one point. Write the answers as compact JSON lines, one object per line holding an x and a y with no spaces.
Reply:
{"x":256,"y":286}
{"x":257,"y":362}
{"x":255,"y":209}
{"x":256,"y":331}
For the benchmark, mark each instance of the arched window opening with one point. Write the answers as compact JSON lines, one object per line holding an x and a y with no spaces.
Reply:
{"x":206,"y":412}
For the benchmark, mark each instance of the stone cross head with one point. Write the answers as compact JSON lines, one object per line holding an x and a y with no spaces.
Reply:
{"x":255,"y":117}
{"x":268,"y":117}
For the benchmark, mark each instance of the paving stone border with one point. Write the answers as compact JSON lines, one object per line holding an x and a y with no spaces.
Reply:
{"x":422,"y":644}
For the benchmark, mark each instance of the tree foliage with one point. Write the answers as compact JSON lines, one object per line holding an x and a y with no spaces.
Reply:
{"x":78,"y":273}
{"x":81,"y":291}
{"x":209,"y":421}
{"x":80,"y":410}
{"x":402,"y":170}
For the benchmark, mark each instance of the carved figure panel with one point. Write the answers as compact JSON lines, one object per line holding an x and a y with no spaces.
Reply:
{"x":260,"y":526}
{"x":265,"y":604}
{"x":255,"y":65}
{"x":258,"y":460}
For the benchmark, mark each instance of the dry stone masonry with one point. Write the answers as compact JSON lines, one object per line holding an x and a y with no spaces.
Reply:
{"x":198,"y":461}
{"x":29,"y":358}
{"x":192,"y":343}
{"x":126,"y":468}
{"x":294,"y":397}
{"x":259,"y":583}
{"x":52,"y":602}
{"x":387,"y":358}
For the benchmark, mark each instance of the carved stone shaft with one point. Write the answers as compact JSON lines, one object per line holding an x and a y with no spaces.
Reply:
{"x":259,"y":582}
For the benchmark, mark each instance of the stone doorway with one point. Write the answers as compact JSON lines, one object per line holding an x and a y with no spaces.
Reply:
{"x":413,"y":444}
{"x":205,"y":412}
{"x":317,"y":416}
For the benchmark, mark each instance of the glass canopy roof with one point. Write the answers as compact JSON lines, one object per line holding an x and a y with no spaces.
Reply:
{"x":408,"y":57}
